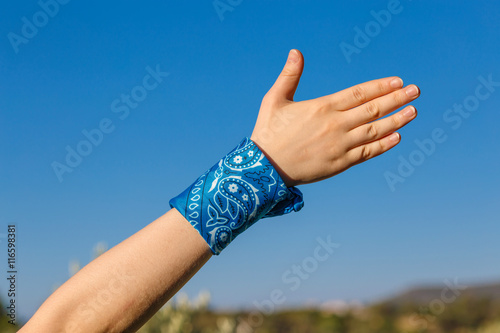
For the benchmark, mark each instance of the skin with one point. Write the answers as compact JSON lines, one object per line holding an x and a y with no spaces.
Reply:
{"x":306,"y":141}
{"x":316,"y":139}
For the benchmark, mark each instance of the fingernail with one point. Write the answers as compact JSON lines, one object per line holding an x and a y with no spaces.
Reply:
{"x":412,"y":91}
{"x":293,"y":56}
{"x":394,"y":137}
{"x":396,"y":83}
{"x":409,"y":111}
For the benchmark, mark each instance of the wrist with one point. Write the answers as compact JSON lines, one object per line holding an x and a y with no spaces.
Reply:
{"x":243,"y":187}
{"x":289,"y":181}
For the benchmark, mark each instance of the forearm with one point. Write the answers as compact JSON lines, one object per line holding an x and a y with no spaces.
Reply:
{"x":121,"y":289}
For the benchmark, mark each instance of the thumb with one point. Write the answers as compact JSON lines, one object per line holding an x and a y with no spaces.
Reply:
{"x":286,"y":84}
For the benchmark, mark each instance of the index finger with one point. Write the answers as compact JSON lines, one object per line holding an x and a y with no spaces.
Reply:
{"x":361,"y":93}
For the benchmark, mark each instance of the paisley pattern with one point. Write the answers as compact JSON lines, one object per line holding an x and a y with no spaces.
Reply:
{"x":240,"y":189}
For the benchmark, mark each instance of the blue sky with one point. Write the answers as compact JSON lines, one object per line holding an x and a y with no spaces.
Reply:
{"x":437,"y":221}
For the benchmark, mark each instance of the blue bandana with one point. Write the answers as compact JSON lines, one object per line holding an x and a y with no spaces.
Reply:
{"x":240,"y":189}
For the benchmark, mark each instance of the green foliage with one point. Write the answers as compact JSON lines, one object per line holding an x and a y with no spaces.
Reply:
{"x":5,"y":327}
{"x":465,"y":315}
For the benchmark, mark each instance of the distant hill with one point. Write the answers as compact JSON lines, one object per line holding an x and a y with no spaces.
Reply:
{"x":424,"y":295}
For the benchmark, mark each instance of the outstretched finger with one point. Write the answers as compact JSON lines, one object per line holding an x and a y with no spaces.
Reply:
{"x":381,"y":106}
{"x":359,"y":94}
{"x":370,"y":150}
{"x":381,"y":128}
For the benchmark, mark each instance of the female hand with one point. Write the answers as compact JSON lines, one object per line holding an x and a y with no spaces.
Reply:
{"x":316,"y":139}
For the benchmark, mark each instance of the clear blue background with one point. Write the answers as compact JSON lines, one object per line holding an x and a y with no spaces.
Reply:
{"x":441,"y":223}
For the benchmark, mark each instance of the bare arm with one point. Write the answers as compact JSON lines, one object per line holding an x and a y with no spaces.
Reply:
{"x":306,"y":142}
{"x":121,"y":289}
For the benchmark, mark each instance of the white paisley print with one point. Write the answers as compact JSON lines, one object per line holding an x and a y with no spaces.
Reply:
{"x":240,"y":189}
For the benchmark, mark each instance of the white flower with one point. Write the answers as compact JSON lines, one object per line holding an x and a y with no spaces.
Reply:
{"x":233,"y":188}
{"x":223,"y":236}
{"x":245,"y":197}
{"x":237,"y":159}
{"x":250,"y":153}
